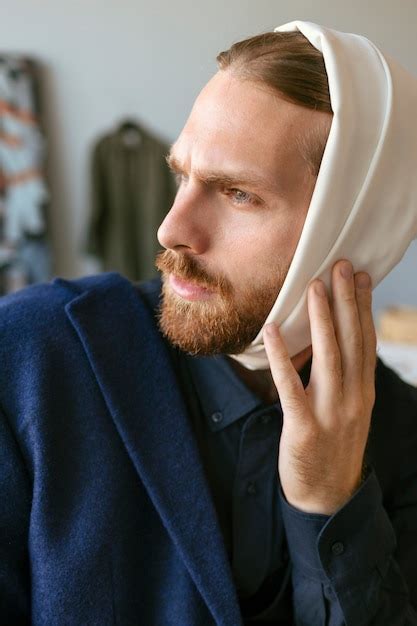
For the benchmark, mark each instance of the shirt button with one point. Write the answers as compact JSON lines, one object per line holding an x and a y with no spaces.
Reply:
{"x":251,"y":488}
{"x":265,"y":419}
{"x":338,"y":548}
{"x":217,"y":417}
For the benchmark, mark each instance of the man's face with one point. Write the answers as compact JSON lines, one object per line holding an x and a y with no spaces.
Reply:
{"x":233,"y":229}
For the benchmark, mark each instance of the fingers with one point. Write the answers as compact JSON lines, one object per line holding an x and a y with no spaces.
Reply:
{"x":363,"y":288}
{"x":326,"y":369}
{"x":343,"y":343}
{"x":287,"y":381}
{"x":352,"y":356}
{"x":348,"y":326}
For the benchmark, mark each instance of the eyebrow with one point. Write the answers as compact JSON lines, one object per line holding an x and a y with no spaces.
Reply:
{"x":210,"y":177}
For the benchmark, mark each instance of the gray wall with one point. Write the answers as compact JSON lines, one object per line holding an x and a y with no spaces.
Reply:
{"x":107,"y":59}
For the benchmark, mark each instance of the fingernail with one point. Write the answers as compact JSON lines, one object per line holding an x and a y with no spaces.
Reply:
{"x":271,"y":329}
{"x":319,"y":288}
{"x":363,"y":280}
{"x":346,"y":270}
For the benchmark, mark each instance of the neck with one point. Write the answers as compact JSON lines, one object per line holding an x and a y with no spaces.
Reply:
{"x":261,"y":381}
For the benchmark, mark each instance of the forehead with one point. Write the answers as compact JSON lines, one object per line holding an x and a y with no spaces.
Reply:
{"x":239,"y":123}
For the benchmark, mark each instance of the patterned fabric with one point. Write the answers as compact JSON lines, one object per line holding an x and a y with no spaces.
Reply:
{"x":23,"y":192}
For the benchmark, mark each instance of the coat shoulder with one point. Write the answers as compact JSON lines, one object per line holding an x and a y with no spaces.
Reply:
{"x":36,"y":306}
{"x":37,"y":314}
{"x":40,"y":341}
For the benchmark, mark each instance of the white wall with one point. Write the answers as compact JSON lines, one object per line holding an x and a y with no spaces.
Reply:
{"x":107,"y":59}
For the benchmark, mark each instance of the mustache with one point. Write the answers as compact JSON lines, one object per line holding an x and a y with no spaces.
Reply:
{"x":187,"y":268}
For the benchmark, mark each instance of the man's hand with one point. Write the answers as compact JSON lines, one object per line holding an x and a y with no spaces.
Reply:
{"x":326,"y":426}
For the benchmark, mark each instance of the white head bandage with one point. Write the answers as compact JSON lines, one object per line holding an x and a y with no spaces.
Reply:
{"x":364,"y":205}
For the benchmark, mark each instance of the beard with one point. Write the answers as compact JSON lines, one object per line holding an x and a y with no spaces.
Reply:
{"x":222,"y":324}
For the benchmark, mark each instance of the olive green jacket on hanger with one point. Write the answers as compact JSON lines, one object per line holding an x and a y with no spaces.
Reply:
{"x":132,"y":191}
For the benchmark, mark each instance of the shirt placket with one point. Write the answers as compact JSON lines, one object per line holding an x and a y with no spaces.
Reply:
{"x":254,"y":500}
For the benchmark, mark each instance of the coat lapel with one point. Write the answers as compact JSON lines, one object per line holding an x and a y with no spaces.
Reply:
{"x":134,"y":371}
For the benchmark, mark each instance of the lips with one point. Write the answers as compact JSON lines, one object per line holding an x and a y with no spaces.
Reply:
{"x":189,"y":290}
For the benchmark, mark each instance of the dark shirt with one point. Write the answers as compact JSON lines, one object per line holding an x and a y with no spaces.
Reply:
{"x":274,"y":548}
{"x":238,"y":437}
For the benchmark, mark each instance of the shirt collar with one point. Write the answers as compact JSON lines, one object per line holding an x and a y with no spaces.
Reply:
{"x":224,"y":397}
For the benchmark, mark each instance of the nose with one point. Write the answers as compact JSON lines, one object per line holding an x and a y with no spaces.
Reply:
{"x":186,"y":225}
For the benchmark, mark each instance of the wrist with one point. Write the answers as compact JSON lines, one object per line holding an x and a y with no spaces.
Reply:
{"x":330,"y":499}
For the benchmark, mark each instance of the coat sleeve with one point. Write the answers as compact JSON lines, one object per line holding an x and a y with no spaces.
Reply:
{"x":15,"y":503}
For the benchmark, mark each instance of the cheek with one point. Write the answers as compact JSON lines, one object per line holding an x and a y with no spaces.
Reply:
{"x":261,"y":256}
{"x":264,"y":241}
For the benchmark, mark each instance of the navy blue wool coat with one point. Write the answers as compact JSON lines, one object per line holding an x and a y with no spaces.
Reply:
{"x":95,"y":528}
{"x":105,"y":513}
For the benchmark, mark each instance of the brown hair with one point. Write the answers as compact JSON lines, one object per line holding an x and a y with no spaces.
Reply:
{"x":290,"y":65}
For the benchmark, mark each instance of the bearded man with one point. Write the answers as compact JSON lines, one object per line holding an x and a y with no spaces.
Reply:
{"x":223,"y":446}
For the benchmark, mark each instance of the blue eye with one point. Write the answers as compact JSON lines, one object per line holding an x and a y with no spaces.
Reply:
{"x":241,"y":197}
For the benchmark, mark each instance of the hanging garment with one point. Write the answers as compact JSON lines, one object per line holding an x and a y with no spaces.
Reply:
{"x":24,"y":250}
{"x":21,"y":154}
{"x":132,"y":191}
